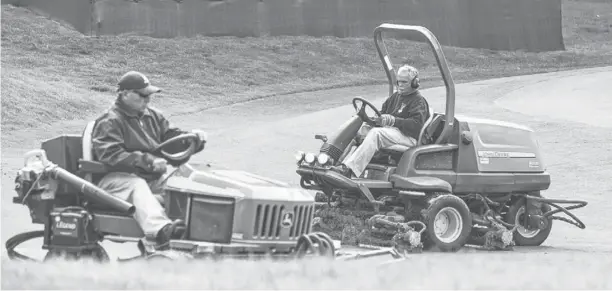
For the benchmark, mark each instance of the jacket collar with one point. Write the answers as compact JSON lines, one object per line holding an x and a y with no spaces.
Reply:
{"x":411,"y":94}
{"x":120,"y":106}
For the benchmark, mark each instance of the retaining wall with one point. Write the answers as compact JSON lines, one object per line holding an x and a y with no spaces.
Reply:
{"x":532,"y":25}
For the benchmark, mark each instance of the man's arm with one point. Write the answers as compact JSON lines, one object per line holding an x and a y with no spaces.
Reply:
{"x":412,"y":124}
{"x":108,"y":147}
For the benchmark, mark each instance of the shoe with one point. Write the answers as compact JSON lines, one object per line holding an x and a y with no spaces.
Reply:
{"x":174,"y":230}
{"x":342,"y":170}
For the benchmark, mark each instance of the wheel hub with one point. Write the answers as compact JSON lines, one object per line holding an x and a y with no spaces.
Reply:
{"x":448,"y":225}
{"x":527,"y":233}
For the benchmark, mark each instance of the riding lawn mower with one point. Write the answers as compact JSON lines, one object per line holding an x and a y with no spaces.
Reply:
{"x":228,"y":214}
{"x":467,"y":181}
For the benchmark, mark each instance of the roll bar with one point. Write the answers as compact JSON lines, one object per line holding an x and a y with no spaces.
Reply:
{"x":440,"y":59}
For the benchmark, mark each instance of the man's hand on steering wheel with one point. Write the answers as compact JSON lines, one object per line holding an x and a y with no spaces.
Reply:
{"x":384,"y":120}
{"x":202,"y":135}
{"x":154,"y":163}
{"x":159,"y":165}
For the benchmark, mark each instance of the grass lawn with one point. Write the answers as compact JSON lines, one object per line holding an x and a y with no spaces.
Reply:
{"x":53,"y":73}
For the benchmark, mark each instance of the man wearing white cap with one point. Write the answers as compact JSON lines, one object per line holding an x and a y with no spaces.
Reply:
{"x":122,"y":139}
{"x":403,"y":115}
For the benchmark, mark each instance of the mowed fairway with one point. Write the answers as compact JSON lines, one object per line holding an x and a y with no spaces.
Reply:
{"x":261,"y":137}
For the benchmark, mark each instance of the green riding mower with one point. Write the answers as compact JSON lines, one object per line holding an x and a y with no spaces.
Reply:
{"x":228,"y":214}
{"x":467,"y":180}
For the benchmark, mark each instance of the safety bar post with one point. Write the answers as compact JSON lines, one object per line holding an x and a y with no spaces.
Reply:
{"x":440,"y":59}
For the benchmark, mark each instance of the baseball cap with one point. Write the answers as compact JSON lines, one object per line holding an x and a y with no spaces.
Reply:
{"x":136,"y":81}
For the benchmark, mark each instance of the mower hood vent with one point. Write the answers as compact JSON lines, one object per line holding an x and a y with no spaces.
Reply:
{"x":271,"y":219}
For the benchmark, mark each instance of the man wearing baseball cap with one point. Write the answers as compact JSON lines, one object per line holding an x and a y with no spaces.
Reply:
{"x":123,"y":139}
{"x":403,"y":115}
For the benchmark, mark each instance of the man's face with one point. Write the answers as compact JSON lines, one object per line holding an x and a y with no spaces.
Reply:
{"x":136,"y":101}
{"x":404,"y":78}
{"x":403,"y":81}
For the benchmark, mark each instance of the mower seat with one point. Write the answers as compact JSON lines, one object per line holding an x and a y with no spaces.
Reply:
{"x":107,"y":220}
{"x":86,"y":147}
{"x":88,"y":166}
{"x":398,"y":149}
{"x":424,"y":184}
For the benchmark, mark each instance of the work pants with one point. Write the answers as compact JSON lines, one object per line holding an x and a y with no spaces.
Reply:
{"x":150,"y":213}
{"x":375,"y":139}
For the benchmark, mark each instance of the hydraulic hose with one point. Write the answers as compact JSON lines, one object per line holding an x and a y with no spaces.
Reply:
{"x":317,"y":243}
{"x":16,"y":240}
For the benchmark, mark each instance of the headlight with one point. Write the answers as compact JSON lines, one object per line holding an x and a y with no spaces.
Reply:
{"x":299,"y":156}
{"x":323,"y":158}
{"x":309,"y":158}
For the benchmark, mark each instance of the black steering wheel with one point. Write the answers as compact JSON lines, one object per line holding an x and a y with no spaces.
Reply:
{"x":361,"y":110}
{"x":192,"y":138}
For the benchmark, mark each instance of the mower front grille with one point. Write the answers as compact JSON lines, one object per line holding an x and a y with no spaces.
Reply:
{"x":332,"y":151}
{"x":269,"y":218}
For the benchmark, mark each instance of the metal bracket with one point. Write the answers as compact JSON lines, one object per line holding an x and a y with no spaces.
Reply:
{"x":366,"y":192}
{"x":553,"y":202}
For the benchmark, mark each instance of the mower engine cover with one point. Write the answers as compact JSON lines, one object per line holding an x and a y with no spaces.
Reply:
{"x":502,"y":146}
{"x":225,"y":206}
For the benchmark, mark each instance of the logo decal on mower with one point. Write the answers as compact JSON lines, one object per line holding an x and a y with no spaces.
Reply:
{"x":287,"y":220}
{"x":65,"y":225}
{"x":511,"y":155}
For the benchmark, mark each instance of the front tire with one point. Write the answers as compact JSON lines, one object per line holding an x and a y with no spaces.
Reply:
{"x":523,"y":236}
{"x":448,"y":221}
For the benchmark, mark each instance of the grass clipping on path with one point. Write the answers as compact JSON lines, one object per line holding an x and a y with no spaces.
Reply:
{"x":53,"y":73}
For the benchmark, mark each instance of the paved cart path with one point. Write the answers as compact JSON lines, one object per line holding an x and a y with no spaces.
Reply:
{"x":569,"y":111}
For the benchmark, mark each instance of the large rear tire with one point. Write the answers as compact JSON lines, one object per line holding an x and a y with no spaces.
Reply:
{"x":523,"y":236}
{"x":449,"y":223}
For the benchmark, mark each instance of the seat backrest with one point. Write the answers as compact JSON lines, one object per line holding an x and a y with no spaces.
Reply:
{"x":435,"y":128}
{"x":86,"y":145}
{"x":64,"y":151}
{"x":425,"y":126}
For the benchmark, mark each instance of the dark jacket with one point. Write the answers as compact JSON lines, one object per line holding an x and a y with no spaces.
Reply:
{"x":410,"y":111}
{"x":123,"y":140}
